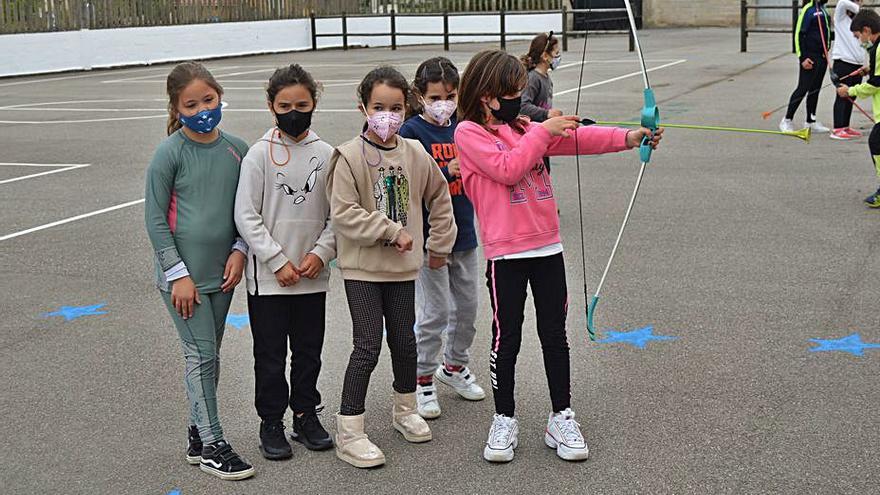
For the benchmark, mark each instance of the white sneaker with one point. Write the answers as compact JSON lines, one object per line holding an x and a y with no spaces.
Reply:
{"x":817,"y":126}
{"x":426,"y":396}
{"x":502,"y":439}
{"x":786,"y":125}
{"x":463,"y":382}
{"x":564,"y":434}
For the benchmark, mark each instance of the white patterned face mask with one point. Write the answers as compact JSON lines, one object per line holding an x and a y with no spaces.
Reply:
{"x":384,"y":124}
{"x":440,"y":110}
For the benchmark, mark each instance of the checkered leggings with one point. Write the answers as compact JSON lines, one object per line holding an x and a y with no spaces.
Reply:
{"x":369,"y":302}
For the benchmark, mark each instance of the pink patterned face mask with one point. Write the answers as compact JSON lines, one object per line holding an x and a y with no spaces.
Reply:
{"x":440,"y":110}
{"x":384,"y":124}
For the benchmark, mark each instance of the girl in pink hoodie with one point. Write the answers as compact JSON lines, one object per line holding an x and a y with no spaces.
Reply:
{"x":501,"y":157}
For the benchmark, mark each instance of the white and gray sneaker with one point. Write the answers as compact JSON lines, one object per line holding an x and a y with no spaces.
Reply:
{"x":462,"y":381}
{"x":817,"y":126}
{"x":502,"y":439}
{"x":426,"y":398}
{"x":786,"y":125}
{"x":564,"y":434}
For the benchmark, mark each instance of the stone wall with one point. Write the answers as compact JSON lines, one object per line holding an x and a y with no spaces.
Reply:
{"x":667,"y":13}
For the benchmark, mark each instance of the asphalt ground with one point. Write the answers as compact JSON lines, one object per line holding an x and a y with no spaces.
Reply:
{"x":741,"y":246}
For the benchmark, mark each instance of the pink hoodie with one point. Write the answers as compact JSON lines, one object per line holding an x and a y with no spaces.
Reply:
{"x":504,"y":178}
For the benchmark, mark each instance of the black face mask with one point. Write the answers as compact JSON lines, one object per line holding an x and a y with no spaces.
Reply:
{"x":509,"y":110}
{"x":294,"y":122}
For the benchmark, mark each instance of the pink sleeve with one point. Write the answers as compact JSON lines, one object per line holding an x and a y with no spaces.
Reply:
{"x":478,"y":150}
{"x":592,"y":140}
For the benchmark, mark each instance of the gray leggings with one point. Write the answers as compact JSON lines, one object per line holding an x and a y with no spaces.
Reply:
{"x":369,"y":302}
{"x":200,"y":338}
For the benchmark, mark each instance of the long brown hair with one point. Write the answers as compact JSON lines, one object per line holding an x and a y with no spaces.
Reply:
{"x":541,"y":44}
{"x":490,"y":73}
{"x":179,"y":78}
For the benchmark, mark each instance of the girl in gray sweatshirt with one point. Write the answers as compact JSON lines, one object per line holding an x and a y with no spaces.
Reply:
{"x":282,"y":211}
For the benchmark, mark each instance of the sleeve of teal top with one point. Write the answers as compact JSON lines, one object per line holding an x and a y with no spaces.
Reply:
{"x":157,"y":197}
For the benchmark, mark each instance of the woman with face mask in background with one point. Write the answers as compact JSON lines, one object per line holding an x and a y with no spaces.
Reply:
{"x":537,"y":96}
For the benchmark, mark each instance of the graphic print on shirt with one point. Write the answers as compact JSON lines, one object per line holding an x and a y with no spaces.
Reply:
{"x":391,"y":192}
{"x":537,"y":180}
{"x":299,"y":195}
{"x":443,"y":154}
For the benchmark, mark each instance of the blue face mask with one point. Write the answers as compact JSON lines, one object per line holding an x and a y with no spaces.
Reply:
{"x":554,"y":64}
{"x":204,"y":121}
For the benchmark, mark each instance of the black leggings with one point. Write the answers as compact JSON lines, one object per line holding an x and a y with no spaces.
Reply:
{"x":809,"y":82}
{"x":507,"y":281}
{"x":368,"y":303}
{"x":843,"y":106}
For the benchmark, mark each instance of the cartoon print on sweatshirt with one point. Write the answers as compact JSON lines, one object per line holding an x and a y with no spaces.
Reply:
{"x":300,"y":195}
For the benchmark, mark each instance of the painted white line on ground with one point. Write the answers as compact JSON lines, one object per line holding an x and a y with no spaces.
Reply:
{"x":83,"y":121}
{"x":68,"y":102}
{"x":126,"y":79}
{"x":64,"y":168}
{"x":143,"y":117}
{"x":618,"y":78}
{"x":102,"y":73}
{"x":255,"y":81}
{"x":68,"y":220}
{"x":20,"y":164}
{"x":616,"y":61}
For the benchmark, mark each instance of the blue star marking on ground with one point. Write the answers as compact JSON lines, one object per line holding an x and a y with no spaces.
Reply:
{"x":638,"y":338}
{"x":852,"y":344}
{"x":174,"y":492}
{"x":74,"y":312}
{"x":238,"y":321}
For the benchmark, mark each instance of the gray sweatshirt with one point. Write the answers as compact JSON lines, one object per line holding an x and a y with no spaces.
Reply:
{"x":537,"y":97}
{"x":282,"y":211}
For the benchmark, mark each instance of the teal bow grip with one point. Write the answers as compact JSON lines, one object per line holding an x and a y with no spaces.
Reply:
{"x":650,"y":120}
{"x":591,"y":310}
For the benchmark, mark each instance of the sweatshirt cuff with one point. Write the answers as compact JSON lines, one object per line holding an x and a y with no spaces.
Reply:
{"x":177,"y":271}
{"x":325,"y":254}
{"x":393,"y":231}
{"x":277,"y":262}
{"x":240,"y":245}
{"x":168,"y":258}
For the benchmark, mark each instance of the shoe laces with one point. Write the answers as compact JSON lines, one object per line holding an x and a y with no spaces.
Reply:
{"x":275,"y":428}
{"x":568,"y":427}
{"x":502,"y":428}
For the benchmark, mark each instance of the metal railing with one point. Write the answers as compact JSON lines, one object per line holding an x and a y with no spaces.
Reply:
{"x":501,"y":34}
{"x":795,"y":7}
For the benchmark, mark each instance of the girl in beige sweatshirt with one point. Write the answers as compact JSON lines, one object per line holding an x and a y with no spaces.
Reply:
{"x":378,"y":186}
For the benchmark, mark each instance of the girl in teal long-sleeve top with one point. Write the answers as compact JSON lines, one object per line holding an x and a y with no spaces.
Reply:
{"x":190,"y":196}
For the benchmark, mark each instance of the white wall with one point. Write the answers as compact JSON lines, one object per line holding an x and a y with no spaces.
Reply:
{"x":35,"y":53}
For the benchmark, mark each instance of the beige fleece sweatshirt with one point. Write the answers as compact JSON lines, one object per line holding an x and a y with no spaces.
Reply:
{"x":374,"y":194}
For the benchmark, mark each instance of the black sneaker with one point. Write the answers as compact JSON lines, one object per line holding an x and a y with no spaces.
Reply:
{"x":307,"y":430}
{"x":219,"y":459}
{"x":273,"y":444}
{"x":194,"y":452}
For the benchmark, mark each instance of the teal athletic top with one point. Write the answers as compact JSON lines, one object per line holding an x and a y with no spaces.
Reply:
{"x":189,"y":202}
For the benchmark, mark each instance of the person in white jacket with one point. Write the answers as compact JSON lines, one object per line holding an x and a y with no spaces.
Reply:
{"x":848,"y":56}
{"x":282,"y":211}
